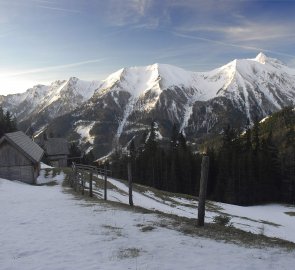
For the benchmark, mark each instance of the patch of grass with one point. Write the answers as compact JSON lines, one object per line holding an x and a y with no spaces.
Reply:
{"x":128,"y":253}
{"x":250,"y":219}
{"x":222,"y":220}
{"x":50,"y":184}
{"x":147,"y":228}
{"x":112,"y":230}
{"x":292,"y":214}
{"x":109,"y":227}
{"x":227,"y":234}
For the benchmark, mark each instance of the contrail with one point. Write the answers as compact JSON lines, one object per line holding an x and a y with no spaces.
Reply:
{"x":59,"y":9}
{"x":231,"y":44}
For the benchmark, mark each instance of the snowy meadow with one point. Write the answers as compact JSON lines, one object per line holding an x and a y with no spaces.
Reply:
{"x":49,"y":227}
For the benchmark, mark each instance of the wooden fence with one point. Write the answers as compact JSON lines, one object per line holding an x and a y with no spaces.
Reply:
{"x":83,"y":177}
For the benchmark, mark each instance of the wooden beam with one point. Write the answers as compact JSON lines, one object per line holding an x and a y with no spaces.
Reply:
{"x":129,"y":167}
{"x":203,"y":190}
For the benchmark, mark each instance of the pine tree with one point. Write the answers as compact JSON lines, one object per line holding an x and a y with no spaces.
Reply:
{"x":151,"y":143}
{"x":75,"y":154}
{"x":255,"y":136}
{"x":7,"y":122}
{"x":132,"y":150}
{"x":182,"y":141}
{"x":174,"y":137}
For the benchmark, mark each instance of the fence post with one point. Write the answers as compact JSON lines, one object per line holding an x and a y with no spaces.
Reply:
{"x":72,"y":177}
{"x":130,"y":182}
{"x":78,"y":181}
{"x":203,"y":190}
{"x":105,"y":182}
{"x":75,"y":179}
{"x":90,"y":184}
{"x":82,"y":184}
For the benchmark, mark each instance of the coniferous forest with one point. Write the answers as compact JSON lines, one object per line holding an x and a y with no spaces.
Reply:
{"x":250,"y":167}
{"x":7,"y":122}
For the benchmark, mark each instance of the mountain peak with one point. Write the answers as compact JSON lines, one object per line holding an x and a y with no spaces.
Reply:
{"x":73,"y":79}
{"x":261,"y":58}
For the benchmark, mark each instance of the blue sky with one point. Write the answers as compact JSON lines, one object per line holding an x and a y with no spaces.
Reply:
{"x":45,"y":40}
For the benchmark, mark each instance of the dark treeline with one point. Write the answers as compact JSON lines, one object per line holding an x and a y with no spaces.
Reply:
{"x":174,"y":168}
{"x":246,"y":170}
{"x":259,"y":165}
{"x":7,"y":122}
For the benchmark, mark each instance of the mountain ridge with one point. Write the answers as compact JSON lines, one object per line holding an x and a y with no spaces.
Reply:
{"x":128,"y":100}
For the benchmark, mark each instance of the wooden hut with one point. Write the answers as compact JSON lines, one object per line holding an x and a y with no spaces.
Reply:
{"x":19,"y":157}
{"x":57,"y":151}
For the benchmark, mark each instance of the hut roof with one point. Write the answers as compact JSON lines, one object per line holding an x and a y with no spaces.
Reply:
{"x":24,"y":144}
{"x":56,"y":146}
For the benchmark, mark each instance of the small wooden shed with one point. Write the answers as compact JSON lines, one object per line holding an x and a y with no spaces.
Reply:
{"x":19,"y":157}
{"x":57,"y":151}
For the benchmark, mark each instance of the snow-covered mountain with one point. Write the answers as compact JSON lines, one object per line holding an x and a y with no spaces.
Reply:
{"x":123,"y":105}
{"x":42,"y":103}
{"x":200,"y":103}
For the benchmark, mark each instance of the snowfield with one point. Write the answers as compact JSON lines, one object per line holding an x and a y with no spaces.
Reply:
{"x":44,"y":227}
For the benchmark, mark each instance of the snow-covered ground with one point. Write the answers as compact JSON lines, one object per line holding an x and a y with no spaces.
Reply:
{"x":273,"y":220}
{"x":46,"y":176}
{"x":43,"y":227}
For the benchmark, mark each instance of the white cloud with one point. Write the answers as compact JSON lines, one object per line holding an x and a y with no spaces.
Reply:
{"x":141,"y":6}
{"x":229,"y":44}
{"x":49,"y":68}
{"x":246,"y":31}
{"x":58,"y":9}
{"x":121,"y":13}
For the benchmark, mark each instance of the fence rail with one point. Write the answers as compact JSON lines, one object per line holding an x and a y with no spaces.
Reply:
{"x":82,"y":174}
{"x":82,"y":178}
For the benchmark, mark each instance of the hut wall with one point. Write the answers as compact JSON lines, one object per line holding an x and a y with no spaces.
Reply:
{"x":58,"y":160}
{"x":14,"y":165}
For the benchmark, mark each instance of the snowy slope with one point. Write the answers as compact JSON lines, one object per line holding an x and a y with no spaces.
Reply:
{"x":219,"y":82}
{"x":43,"y":227}
{"x":255,"y":87}
{"x":56,"y":99}
{"x":272,"y":220}
{"x":261,"y":82}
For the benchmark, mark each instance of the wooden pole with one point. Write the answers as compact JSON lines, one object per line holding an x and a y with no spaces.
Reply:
{"x":203,"y":190}
{"x":130,"y":182}
{"x":75,"y":179}
{"x":105,"y":182}
{"x":90,"y":184}
{"x":78,"y":182}
{"x":82,"y":183}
